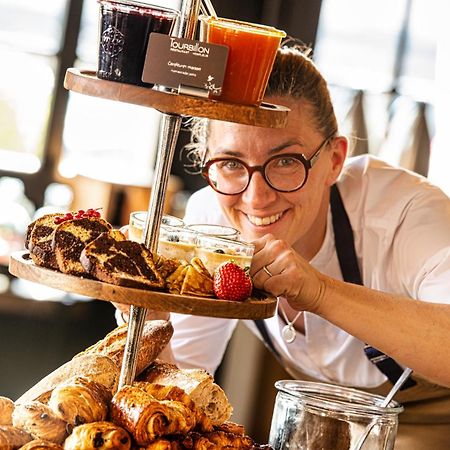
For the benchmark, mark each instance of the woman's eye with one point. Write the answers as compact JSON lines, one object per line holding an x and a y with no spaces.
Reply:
{"x":230,"y":165}
{"x":283,"y":162}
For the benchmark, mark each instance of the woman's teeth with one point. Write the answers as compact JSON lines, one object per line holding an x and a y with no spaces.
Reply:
{"x":264,"y":220}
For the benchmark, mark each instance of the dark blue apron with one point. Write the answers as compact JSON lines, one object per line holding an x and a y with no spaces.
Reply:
{"x":348,"y":262}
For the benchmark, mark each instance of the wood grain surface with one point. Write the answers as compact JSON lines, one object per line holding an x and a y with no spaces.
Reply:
{"x":85,"y":82}
{"x":22,"y":266}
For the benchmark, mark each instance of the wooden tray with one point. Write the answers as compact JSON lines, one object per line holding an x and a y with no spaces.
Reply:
{"x":21,"y":266}
{"x":86,"y":82}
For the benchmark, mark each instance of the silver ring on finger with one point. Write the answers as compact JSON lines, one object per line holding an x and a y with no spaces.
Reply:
{"x":267,"y":271}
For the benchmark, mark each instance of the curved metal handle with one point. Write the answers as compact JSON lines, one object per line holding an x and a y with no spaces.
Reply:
{"x":399,"y":383}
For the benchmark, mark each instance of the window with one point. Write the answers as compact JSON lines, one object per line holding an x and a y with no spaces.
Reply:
{"x":30,"y":39}
{"x":103,"y":138}
{"x":384,"y":96}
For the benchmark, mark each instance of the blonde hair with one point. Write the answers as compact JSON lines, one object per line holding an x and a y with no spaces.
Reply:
{"x":295,"y":76}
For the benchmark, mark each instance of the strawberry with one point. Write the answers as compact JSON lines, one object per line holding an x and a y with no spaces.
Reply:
{"x":231,"y":282}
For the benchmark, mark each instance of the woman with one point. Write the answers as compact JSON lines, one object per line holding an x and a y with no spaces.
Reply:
{"x":357,"y":251}
{"x":386,"y":233}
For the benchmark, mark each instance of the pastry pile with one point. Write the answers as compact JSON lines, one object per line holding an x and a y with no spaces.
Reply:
{"x":78,"y":408}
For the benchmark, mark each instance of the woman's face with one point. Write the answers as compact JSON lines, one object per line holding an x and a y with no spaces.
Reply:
{"x":297,"y":217}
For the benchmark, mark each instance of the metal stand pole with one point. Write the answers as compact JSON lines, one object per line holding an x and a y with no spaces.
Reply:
{"x":169,"y":130}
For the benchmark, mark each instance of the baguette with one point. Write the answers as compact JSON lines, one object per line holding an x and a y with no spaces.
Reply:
{"x":98,"y":368}
{"x":197,"y":383}
{"x":155,"y":336}
{"x":102,"y":361}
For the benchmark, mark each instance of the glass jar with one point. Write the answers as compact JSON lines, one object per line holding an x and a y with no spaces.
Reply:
{"x":125,"y":27}
{"x":137,"y":224}
{"x":319,"y":416}
{"x":214,"y":251}
{"x":215,"y":230}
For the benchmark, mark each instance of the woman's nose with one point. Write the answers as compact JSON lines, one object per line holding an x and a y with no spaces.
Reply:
{"x":258,"y":192}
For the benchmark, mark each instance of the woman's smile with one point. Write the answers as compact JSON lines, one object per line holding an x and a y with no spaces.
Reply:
{"x":264,"y":220}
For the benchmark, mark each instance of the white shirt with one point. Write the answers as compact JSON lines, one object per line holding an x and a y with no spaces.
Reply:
{"x":401,"y":226}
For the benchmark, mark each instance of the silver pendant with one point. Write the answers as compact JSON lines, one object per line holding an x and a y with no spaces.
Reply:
{"x":289,"y":334}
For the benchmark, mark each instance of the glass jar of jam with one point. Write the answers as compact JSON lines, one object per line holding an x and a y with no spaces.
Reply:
{"x":125,"y":27}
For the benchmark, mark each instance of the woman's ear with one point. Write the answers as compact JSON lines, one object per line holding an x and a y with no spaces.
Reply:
{"x":338,"y":149}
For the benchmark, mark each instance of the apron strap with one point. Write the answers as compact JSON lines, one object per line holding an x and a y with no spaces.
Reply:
{"x":348,"y":262}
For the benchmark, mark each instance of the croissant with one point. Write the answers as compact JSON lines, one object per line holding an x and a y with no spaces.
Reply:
{"x":38,"y":444}
{"x":147,"y":418}
{"x":167,"y":392}
{"x":12,"y":437}
{"x":6,"y":410}
{"x":164,"y":444}
{"x":217,"y":440}
{"x":79,"y":400}
{"x":98,"y":436}
{"x":40,"y":421}
{"x":197,"y":383}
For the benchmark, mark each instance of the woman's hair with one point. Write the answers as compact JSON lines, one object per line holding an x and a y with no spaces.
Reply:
{"x":295,"y":76}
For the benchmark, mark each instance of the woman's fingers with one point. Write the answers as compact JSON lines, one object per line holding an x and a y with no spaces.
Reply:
{"x":151,"y":314}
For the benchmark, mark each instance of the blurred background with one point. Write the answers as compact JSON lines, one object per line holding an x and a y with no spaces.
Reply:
{"x":60,"y":150}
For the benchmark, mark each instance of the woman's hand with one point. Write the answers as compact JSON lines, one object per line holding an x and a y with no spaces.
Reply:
{"x":291,"y":276}
{"x":151,"y":315}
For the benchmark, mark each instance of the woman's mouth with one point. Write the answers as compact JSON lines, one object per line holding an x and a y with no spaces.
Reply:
{"x":267,"y":220}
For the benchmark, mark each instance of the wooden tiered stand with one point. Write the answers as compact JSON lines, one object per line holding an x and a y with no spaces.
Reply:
{"x":172,"y":107}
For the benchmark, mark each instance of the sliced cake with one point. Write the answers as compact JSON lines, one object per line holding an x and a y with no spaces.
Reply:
{"x":39,"y":240}
{"x":114,"y":259}
{"x":69,"y":239}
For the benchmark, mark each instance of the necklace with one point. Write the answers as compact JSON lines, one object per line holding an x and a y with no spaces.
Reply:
{"x":288,"y":332}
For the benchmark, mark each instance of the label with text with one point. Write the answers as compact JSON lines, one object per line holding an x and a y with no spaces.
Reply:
{"x":175,"y":62}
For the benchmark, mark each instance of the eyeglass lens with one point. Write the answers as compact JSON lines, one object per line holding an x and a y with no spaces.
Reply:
{"x":283,"y":173}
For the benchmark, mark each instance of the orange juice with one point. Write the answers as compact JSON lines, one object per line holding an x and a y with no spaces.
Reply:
{"x":251,"y":52}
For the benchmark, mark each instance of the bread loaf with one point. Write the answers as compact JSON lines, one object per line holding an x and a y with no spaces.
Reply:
{"x":197,"y":383}
{"x":114,"y":259}
{"x":99,"y":368}
{"x":156,"y":335}
{"x":102,"y":361}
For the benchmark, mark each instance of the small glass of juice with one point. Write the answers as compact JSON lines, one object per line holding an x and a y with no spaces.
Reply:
{"x":125,"y":27}
{"x":251,"y":53}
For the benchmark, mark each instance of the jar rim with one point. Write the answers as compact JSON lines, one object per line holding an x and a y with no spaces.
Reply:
{"x":147,"y":7}
{"x":337,"y":398}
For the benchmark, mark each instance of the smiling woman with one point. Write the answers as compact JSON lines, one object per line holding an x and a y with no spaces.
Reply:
{"x":335,"y":238}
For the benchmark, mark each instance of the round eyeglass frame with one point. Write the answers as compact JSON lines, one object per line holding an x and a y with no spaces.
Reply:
{"x":308,"y":163}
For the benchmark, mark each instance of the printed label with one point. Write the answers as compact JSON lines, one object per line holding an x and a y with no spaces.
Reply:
{"x":175,"y":62}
